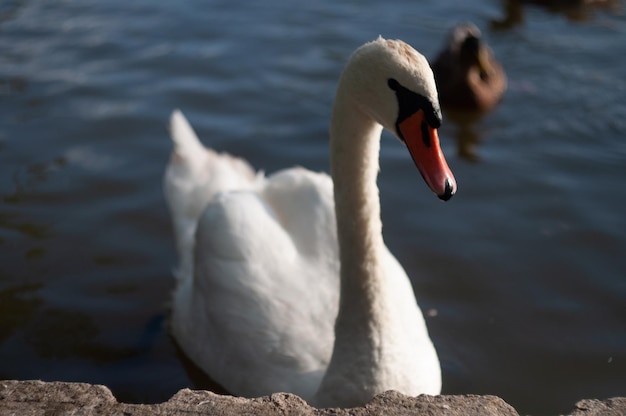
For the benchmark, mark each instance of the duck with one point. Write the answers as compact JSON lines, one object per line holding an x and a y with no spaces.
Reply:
{"x":469,"y":77}
{"x":284,"y":282}
{"x":573,"y":10}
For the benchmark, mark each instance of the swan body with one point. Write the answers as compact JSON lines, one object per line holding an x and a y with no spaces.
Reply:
{"x":284,"y":281}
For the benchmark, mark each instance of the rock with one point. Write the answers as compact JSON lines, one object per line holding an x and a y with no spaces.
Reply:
{"x":38,"y":398}
{"x":27,"y":398}
{"x":394,"y":403}
{"x":609,"y":407}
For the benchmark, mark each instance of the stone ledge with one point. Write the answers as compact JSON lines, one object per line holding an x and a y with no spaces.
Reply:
{"x":35,"y":398}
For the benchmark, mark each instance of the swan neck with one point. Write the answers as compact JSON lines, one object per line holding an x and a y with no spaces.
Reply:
{"x":360,"y":328}
{"x":355,"y":148}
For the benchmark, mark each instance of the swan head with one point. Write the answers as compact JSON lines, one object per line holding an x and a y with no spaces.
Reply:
{"x":393,"y":84}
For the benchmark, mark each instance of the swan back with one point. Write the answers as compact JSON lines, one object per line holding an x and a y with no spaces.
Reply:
{"x":258,"y":314}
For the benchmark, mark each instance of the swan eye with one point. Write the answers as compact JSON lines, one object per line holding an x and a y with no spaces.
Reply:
{"x":393,"y":84}
{"x":410,"y":102}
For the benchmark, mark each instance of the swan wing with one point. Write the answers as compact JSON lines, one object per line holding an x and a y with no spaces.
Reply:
{"x":258,"y":311}
{"x":194,"y":175}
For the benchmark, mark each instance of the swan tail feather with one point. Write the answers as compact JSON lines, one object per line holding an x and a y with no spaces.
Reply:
{"x":187,"y":145}
{"x":194,"y":175}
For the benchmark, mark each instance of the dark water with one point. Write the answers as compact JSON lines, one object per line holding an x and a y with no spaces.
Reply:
{"x":523,"y":273}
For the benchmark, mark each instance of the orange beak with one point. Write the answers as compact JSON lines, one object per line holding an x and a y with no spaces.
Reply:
{"x":423,"y":144}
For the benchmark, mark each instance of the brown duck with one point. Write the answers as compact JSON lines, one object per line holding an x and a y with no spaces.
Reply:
{"x":468,"y":76}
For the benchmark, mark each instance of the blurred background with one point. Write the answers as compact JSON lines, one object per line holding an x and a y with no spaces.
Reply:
{"x":522,"y":275}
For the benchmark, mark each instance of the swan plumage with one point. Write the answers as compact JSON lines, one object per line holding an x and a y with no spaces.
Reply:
{"x":284,"y":282}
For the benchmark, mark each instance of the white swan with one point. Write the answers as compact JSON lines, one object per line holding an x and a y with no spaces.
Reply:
{"x":284,"y":285}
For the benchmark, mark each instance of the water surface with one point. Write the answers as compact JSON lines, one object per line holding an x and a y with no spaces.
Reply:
{"x":522,"y":274}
